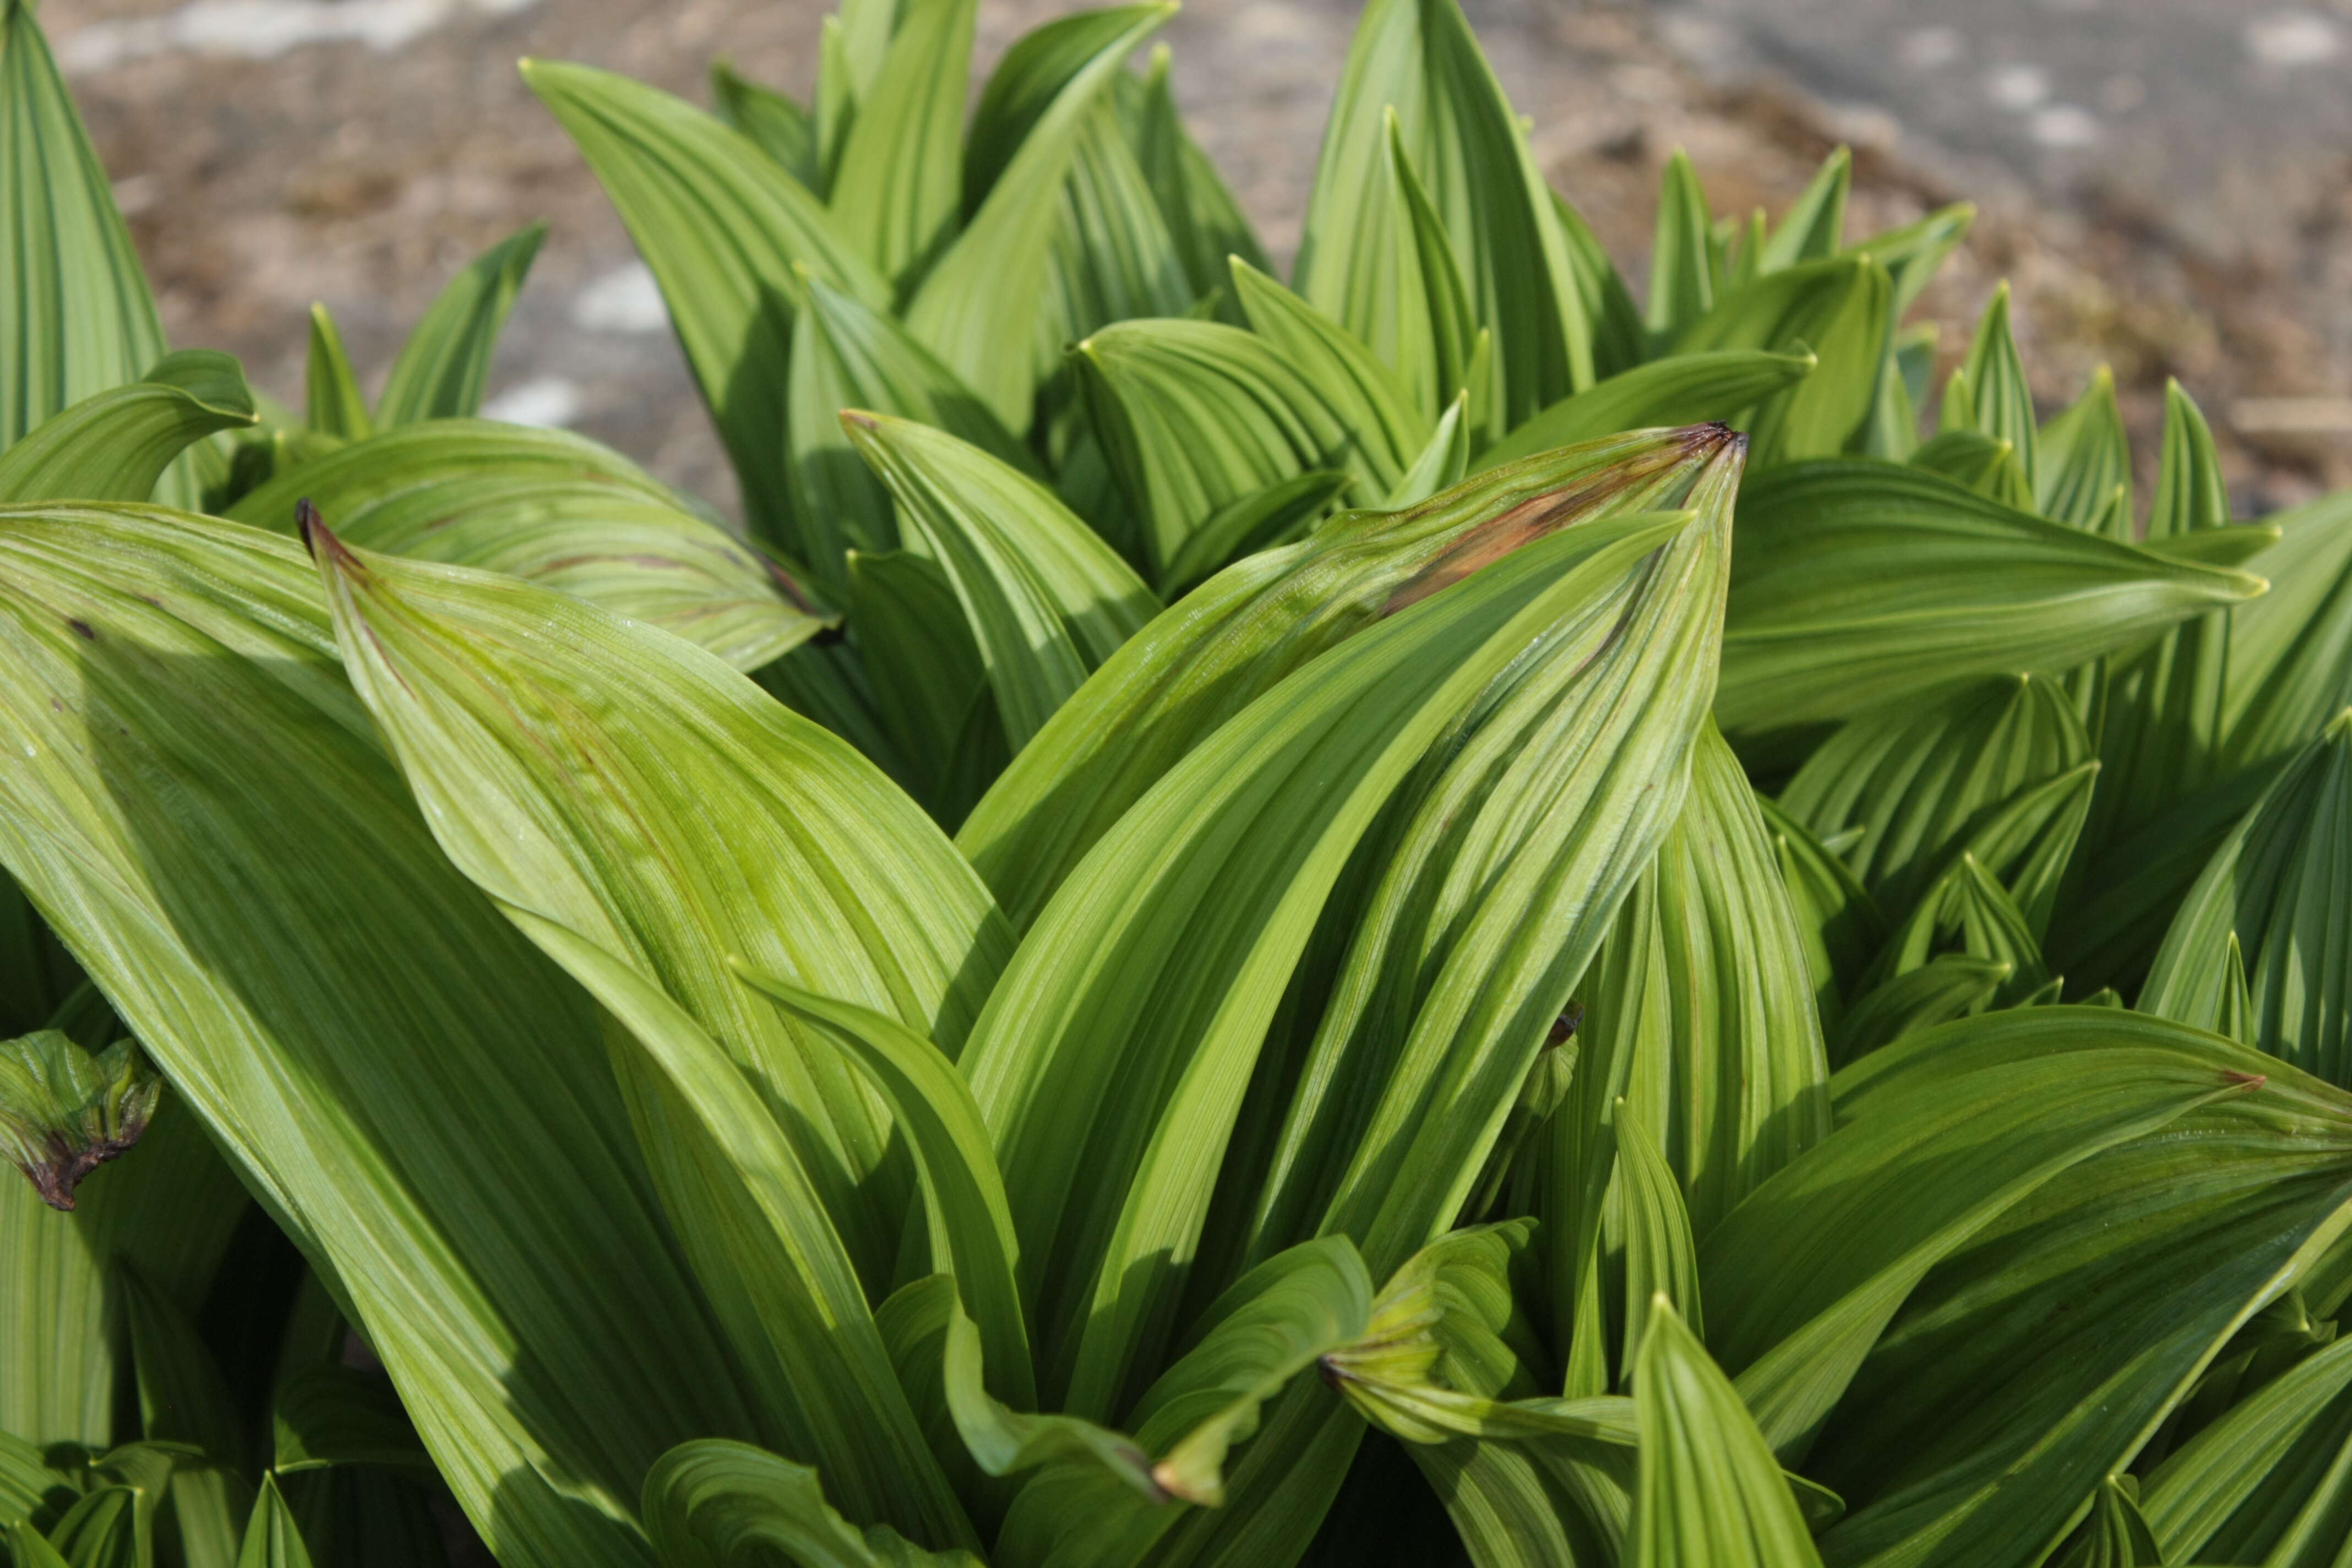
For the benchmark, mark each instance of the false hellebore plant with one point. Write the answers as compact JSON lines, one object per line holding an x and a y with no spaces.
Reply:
{"x":1177,"y":959}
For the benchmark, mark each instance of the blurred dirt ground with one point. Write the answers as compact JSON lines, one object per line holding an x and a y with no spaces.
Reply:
{"x":270,"y":153}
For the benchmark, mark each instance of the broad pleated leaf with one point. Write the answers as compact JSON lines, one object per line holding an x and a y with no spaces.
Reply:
{"x":1858,"y":582}
{"x":327,"y":1415}
{"x":207,"y":821}
{"x":1204,"y":222}
{"x":1196,"y":415}
{"x":978,"y":309}
{"x":780,"y":126}
{"x":1682,"y":251}
{"x":2281,"y":885}
{"x":1946,"y":987}
{"x":441,"y":370}
{"x":1210,"y":655}
{"x":1988,"y":394}
{"x":1813,"y":228}
{"x":2268,"y":1481}
{"x":848,"y":354}
{"x":2053,"y":1343}
{"x":116,"y":445}
{"x":929,"y":689}
{"x":183,"y":1398}
{"x":723,"y":230}
{"x":2085,"y":466}
{"x":1362,"y":392}
{"x":1709,"y":1491}
{"x":1024,"y":84}
{"x":557,"y":509}
{"x":1125,"y":952}
{"x":1419,"y":59}
{"x":272,"y":1538}
{"x":898,"y":181}
{"x":1838,"y":310}
{"x":1682,"y":389}
{"x":1838,"y":922}
{"x":1441,"y":463}
{"x":1279,"y":514}
{"x":1919,"y":778}
{"x":333,"y":404}
{"x":1046,"y":600}
{"x":717,"y":1504}
{"x":2290,"y":651}
{"x":1113,"y":256}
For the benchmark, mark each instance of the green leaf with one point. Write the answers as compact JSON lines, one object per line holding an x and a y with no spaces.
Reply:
{"x":1113,"y":256}
{"x":1947,"y":986}
{"x":1420,"y":58}
{"x":963,"y":1195}
{"x":2116,"y":1535}
{"x":2066,"y":1317}
{"x":108,"y":1526}
{"x":1205,"y":224}
{"x":1979,"y":463}
{"x":554,"y":508}
{"x":2085,"y":476}
{"x":1414,"y":310}
{"x":1709,"y":1491}
{"x":1988,"y":393}
{"x":1364,"y":393}
{"x":65,"y":1110}
{"x":1913,"y":253}
{"x":775,"y":123}
{"x":1698,"y":1011}
{"x":2266,"y":1482}
{"x":441,"y":369}
{"x":2290,"y":651}
{"x":1046,"y":600}
{"x":895,"y":191}
{"x":1813,"y":228}
{"x":717,"y":1504}
{"x":723,"y":230}
{"x":928,"y":680}
{"x":1038,"y":65}
{"x":1681,"y":252}
{"x":1661,"y":1258}
{"x":117,"y":444}
{"x":1682,"y":389}
{"x":1196,"y":415}
{"x":1322,"y":751}
{"x":1208,"y":657}
{"x":2279,"y":885}
{"x":328,"y":1415}
{"x":979,"y":308}
{"x":1273,"y":516}
{"x":81,"y":318}
{"x":1840,"y":924}
{"x":1441,"y":462}
{"x":1836,"y":310}
{"x":848,"y":354}
{"x":1919,"y":779}
{"x":1859,"y":582}
{"x":334,"y":405}
{"x":395,"y":1070}
{"x":272,"y":1539}
{"x":183,"y":1398}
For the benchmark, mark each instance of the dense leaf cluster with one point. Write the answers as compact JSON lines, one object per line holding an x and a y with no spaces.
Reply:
{"x":1418,"y":916}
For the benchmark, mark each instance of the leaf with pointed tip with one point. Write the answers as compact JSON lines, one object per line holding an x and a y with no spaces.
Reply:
{"x":1860,"y":582}
{"x":849,"y":354}
{"x":1681,"y":389}
{"x":332,"y":403}
{"x":1919,"y":778}
{"x":1681,"y":252}
{"x":712,"y":1503}
{"x":1838,"y":922}
{"x":2290,"y":651}
{"x":979,"y":306}
{"x":1710,"y":1490}
{"x":183,"y":1398}
{"x":1912,"y":253}
{"x":1420,"y":58}
{"x":723,"y":230}
{"x":117,"y":444}
{"x":896,"y":189}
{"x":2279,"y":884}
{"x":1196,"y":415}
{"x":1813,"y":228}
{"x":1204,"y":222}
{"x":328,"y":1415}
{"x":1046,"y":600}
{"x":1365,"y":395}
{"x":81,"y":318}
{"x":1947,"y":986}
{"x":1837,"y":310}
{"x":272,"y":1538}
{"x":1979,"y":463}
{"x":1107,"y":1260}
{"x":2116,"y":1535}
{"x":2085,"y":462}
{"x":554,"y":508}
{"x":1988,"y":394}
{"x":1113,"y":258}
{"x":2266,"y":1482}
{"x":925,"y":670}
{"x":1441,"y":463}
{"x":108,"y":1526}
{"x":777,"y":125}
{"x":1661,"y":1258}
{"x":441,"y":369}
{"x":1412,"y":308}
{"x":1206,"y":658}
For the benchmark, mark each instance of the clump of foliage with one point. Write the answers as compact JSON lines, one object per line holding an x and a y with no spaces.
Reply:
{"x":1532,"y":965}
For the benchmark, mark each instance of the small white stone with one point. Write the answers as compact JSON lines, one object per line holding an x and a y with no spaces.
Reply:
{"x":547,"y":401}
{"x":1931,"y":48}
{"x":2293,"y":38}
{"x":2064,"y":125}
{"x":626,"y":299}
{"x":2017,"y":88}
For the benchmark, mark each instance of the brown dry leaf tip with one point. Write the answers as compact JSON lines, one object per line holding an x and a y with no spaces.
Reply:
{"x":57,"y":1177}
{"x":859,"y":417}
{"x":315,"y":533}
{"x":789,"y":585}
{"x":2250,"y":1079}
{"x":1565,"y":1024}
{"x":65,"y":1112}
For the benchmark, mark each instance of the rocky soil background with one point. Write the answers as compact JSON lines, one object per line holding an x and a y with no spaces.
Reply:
{"x":2167,"y":183}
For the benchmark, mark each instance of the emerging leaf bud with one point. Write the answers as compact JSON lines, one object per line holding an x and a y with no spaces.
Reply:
{"x":64,"y":1111}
